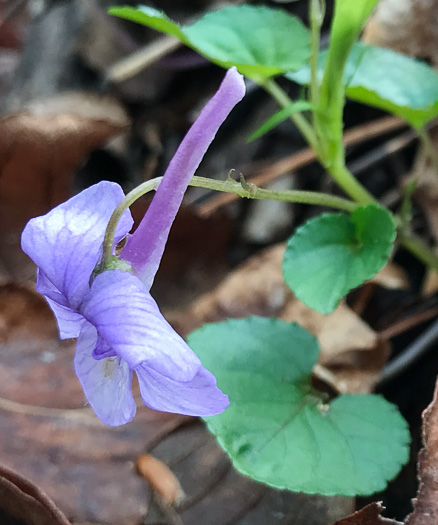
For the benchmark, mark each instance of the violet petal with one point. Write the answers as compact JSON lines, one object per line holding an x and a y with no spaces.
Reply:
{"x":145,"y":247}
{"x":69,"y":321}
{"x":197,"y":397}
{"x":66,"y":243}
{"x":129,"y":321}
{"x":107,"y":383}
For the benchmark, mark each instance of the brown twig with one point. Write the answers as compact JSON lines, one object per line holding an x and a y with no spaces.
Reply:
{"x":381,"y":152}
{"x":407,"y":324}
{"x":412,"y":353}
{"x":131,"y":65}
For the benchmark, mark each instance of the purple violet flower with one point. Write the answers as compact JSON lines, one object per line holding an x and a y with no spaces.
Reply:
{"x":119,"y":327}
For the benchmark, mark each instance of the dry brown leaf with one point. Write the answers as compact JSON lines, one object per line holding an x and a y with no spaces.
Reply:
{"x":393,"y":277}
{"x":81,"y":104}
{"x":216,"y":494}
{"x":408,"y":26}
{"x":48,"y":435}
{"x":426,"y":502}
{"x":39,"y":153}
{"x":430,"y":283}
{"x":369,"y":515}
{"x":349,"y":347}
{"x":23,"y":500}
{"x":35,"y":367}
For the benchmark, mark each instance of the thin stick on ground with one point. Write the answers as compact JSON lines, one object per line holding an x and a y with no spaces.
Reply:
{"x":410,"y":355}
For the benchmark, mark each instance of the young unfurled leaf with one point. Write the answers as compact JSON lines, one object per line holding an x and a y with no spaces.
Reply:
{"x":279,"y":430}
{"x":259,"y":41}
{"x":279,"y":117}
{"x":332,"y":254}
{"x":388,"y":80}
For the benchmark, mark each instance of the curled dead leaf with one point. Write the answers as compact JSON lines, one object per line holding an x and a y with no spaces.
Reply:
{"x":426,"y":502}
{"x":23,"y":500}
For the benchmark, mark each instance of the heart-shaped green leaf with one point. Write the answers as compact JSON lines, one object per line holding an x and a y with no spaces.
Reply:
{"x":259,"y":41}
{"x":387,"y":80}
{"x":332,"y":254}
{"x":279,"y":430}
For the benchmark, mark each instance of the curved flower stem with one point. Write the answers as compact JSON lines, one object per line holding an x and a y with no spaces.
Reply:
{"x":130,"y":198}
{"x":243,"y":189}
{"x":251,"y":191}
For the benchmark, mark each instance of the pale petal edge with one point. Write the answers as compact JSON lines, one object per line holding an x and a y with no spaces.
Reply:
{"x":107,"y":383}
{"x":198,"y":397}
